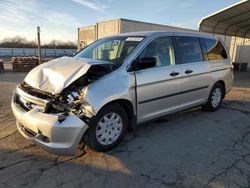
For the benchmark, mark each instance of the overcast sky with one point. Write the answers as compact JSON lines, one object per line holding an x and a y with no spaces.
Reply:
{"x":59,"y":19}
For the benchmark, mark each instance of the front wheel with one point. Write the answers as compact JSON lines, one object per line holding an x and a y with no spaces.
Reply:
{"x":215,"y":98}
{"x":107,"y":128}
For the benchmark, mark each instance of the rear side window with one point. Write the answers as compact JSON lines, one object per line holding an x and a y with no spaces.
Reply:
{"x":189,"y":50}
{"x":213,"y":50}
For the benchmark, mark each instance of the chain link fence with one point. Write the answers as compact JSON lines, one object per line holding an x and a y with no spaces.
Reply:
{"x":24,"y":52}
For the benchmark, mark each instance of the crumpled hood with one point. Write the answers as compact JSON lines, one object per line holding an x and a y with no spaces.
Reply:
{"x":57,"y":74}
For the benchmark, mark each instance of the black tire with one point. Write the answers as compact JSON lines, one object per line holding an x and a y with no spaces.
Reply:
{"x":210,"y":106}
{"x":90,"y":137}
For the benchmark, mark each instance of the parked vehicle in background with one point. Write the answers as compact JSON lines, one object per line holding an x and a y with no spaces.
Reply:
{"x":116,"y":83}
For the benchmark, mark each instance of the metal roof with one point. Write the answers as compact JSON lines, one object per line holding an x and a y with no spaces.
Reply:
{"x":233,"y":20}
{"x":174,"y":33}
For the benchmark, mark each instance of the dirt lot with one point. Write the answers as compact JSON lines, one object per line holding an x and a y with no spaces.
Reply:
{"x":189,"y":149}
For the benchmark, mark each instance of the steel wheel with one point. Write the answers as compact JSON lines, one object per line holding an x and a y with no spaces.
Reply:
{"x":216,"y":97}
{"x":109,"y":128}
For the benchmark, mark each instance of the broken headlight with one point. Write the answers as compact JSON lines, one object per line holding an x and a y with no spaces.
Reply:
{"x":72,"y":103}
{"x":76,"y":104}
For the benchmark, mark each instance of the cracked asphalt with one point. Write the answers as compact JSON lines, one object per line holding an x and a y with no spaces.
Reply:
{"x":188,"y":149}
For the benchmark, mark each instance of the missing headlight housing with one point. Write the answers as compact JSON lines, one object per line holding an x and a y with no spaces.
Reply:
{"x":72,"y":103}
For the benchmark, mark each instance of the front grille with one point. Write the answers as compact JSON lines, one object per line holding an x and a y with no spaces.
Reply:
{"x":35,"y":92}
{"x":20,"y":103}
{"x":26,"y":102}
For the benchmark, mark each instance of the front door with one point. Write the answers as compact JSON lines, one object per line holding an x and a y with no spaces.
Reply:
{"x":158,"y":87}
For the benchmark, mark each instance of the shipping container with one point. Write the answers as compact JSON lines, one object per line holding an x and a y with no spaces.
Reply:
{"x":89,"y":34}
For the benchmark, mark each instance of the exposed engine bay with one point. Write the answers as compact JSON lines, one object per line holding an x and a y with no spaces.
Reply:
{"x":71,"y":99}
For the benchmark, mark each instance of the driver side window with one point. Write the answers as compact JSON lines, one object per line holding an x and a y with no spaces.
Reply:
{"x":162,"y":50}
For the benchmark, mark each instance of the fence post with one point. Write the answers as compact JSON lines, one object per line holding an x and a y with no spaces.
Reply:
{"x":23,"y":52}
{"x":12,"y":53}
{"x":39,"y":45}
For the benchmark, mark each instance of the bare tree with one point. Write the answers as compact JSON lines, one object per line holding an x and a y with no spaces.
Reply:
{"x":22,"y":42}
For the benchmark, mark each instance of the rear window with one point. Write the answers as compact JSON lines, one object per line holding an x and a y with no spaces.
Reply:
{"x":189,"y":49}
{"x":213,"y":50}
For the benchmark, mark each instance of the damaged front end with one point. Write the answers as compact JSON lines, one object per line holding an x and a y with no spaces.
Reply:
{"x":71,"y":100}
{"x":63,"y":104}
{"x":56,"y":121}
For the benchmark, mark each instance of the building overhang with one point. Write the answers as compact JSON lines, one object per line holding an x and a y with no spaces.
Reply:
{"x":233,"y":21}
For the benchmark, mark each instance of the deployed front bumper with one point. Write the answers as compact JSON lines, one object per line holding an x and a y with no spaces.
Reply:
{"x":61,"y":138}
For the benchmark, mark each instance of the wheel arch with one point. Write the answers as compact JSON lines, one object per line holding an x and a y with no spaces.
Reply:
{"x":223,"y":85}
{"x":128,"y":107}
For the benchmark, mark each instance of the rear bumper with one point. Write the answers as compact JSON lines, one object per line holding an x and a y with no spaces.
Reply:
{"x":45,"y":130}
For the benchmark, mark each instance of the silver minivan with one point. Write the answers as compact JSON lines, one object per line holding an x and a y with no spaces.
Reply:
{"x":116,"y":83}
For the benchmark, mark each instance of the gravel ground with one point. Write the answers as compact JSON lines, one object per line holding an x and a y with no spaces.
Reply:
{"x":188,"y":149}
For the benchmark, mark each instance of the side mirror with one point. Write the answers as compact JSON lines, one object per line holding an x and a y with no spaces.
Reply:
{"x":144,"y":63}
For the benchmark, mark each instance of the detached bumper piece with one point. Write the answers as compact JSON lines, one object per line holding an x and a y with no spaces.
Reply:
{"x":57,"y":137}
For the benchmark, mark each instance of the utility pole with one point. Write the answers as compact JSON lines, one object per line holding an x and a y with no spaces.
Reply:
{"x":39,"y":45}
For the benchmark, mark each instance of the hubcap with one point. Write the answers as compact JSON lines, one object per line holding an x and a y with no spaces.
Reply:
{"x":109,"y":128}
{"x":216,"y":97}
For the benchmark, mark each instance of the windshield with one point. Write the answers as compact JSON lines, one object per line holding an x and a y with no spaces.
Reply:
{"x":112,"y":49}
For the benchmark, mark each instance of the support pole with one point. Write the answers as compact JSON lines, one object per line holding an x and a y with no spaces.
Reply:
{"x":241,"y":49}
{"x":235,"y":38}
{"x":242,"y":53}
{"x":39,"y":45}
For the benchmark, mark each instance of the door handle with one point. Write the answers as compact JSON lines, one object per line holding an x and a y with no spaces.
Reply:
{"x":173,"y":74}
{"x":188,"y":71}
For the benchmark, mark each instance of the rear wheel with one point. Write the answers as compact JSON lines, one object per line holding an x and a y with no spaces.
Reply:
{"x":215,"y":98}
{"x":107,"y":129}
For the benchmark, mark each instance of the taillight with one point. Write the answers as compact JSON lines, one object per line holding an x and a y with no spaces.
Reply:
{"x":232,"y":68}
